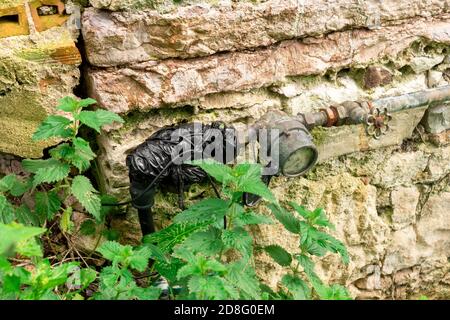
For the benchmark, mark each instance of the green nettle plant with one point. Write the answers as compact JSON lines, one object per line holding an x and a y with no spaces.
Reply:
{"x":54,"y":179}
{"x":206,"y":253}
{"x":39,"y":280}
{"x":209,"y":252}
{"x":313,"y":242}
{"x":116,"y":282}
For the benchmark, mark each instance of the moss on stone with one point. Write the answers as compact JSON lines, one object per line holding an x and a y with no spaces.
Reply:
{"x":319,"y":135}
{"x":31,"y":82}
{"x":11,"y":3}
{"x":21,"y":113}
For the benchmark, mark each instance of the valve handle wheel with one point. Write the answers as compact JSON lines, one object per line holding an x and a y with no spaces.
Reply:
{"x":377,"y":122}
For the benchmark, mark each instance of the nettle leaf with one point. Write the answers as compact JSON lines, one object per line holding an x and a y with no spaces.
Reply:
{"x":307,"y":264}
{"x":212,"y":209}
{"x":218,"y":171}
{"x":26,"y":217}
{"x":139,"y":259}
{"x":7,"y":182}
{"x":250,"y":181}
{"x":67,"y":104}
{"x":85,"y":193}
{"x":286,"y":218}
{"x":207,"y":287}
{"x":113,"y":251}
{"x":316,"y":217}
{"x":242,"y":275}
{"x":79,"y":155}
{"x":47,"y":204}
{"x":331,"y":244}
{"x":249,"y":218}
{"x":149,"y":293}
{"x":29,"y":248}
{"x":12,"y":184}
{"x":86,"y":102}
{"x":109,"y":276}
{"x":62,"y":151}
{"x":19,"y":188}
{"x":97,"y":119}
{"x":34,"y":165}
{"x":174,"y":234}
{"x":169,"y":269}
{"x":200,"y":265}
{"x":54,"y":171}
{"x":11,"y":234}
{"x":10,"y":284}
{"x":281,"y":256}
{"x":297,"y":287}
{"x":6,"y":210}
{"x":239,"y":239}
{"x":311,"y":246}
{"x":333,"y":292}
{"x":83,"y":154}
{"x":318,"y":243}
{"x":208,"y":242}
{"x":53,"y":126}
{"x":156,"y":253}
{"x":87,"y":276}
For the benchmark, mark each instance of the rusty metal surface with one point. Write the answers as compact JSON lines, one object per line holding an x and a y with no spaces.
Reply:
{"x":377,"y":123}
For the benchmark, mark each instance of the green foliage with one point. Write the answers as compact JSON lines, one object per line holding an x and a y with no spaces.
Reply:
{"x":302,"y":280}
{"x":206,"y":253}
{"x":281,"y":256}
{"x":54,"y":127}
{"x":47,"y":204}
{"x":85,"y":193}
{"x":197,"y":246}
{"x":116,"y":281}
{"x":197,"y":242}
{"x":63,"y":170}
{"x":44,"y":281}
{"x":96,"y":119}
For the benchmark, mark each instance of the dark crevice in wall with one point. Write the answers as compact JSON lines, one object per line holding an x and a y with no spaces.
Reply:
{"x":81,"y":89}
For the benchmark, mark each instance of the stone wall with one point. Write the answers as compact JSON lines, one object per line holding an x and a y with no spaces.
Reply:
{"x":234,"y":61}
{"x":37,"y":68}
{"x":158,"y":63}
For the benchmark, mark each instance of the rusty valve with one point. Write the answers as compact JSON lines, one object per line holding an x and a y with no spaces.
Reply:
{"x":377,"y":123}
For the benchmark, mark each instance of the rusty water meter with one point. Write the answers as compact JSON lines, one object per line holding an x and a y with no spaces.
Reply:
{"x":295,"y":151}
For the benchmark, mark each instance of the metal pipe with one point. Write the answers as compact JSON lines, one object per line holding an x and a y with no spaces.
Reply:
{"x":356,"y":112}
{"x":413,"y":100}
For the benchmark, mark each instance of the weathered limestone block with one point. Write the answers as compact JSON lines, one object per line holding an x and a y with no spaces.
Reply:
{"x":428,"y":240}
{"x":35,"y":72}
{"x":433,"y":228}
{"x":382,"y":258}
{"x":305,"y":94}
{"x":437,"y":118}
{"x":120,"y":5}
{"x":404,"y":203}
{"x":117,"y":38}
{"x":173,"y":82}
